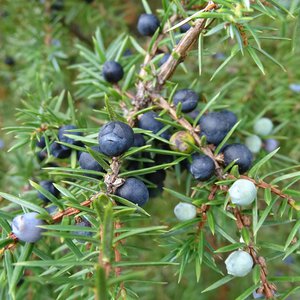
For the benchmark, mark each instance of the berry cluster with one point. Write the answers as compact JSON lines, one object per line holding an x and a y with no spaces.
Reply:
{"x":262,"y":127}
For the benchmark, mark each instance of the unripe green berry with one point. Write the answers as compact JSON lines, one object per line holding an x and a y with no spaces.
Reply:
{"x":181,"y":141}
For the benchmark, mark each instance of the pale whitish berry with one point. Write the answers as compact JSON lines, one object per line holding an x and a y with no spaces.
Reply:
{"x":242,"y":192}
{"x":239,"y":263}
{"x":25,"y":227}
{"x":254,"y":143}
{"x":185,"y":211}
{"x":263,"y":126}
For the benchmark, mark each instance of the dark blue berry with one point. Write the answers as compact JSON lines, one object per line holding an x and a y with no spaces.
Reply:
{"x":112,"y":71}
{"x":230,"y":118}
{"x":157,"y":177}
{"x":48,"y":186}
{"x":139,"y":140}
{"x":239,"y":153}
{"x":87,"y":162}
{"x":9,"y":61}
{"x":188,"y":98}
{"x":202,"y":167}
{"x":164,"y":59}
{"x":83,"y":223}
{"x":216,"y":125}
{"x":194,"y":114}
{"x":57,"y":151}
{"x":63,"y":138}
{"x":41,"y":143}
{"x":134,"y":190}
{"x":184,"y":28}
{"x":147,"y":24}
{"x":41,"y":155}
{"x":148,"y":122}
{"x":115,"y":138}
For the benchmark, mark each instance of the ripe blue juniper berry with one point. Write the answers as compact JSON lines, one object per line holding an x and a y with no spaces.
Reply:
{"x":184,"y":28}
{"x":193,"y":114}
{"x":164,"y":59}
{"x":63,"y":138}
{"x":48,"y":186}
{"x":58,"y":151}
{"x":87,"y":162}
{"x":147,"y":24}
{"x":41,"y":143}
{"x":115,"y":138}
{"x":239,"y":154}
{"x":202,"y":167}
{"x":148,"y":121}
{"x":139,"y":140}
{"x":83,"y":223}
{"x":188,"y":99}
{"x":216,"y":125}
{"x":112,"y":71}
{"x":134,"y":190}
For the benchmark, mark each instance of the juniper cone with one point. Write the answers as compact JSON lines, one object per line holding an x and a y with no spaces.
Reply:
{"x":147,"y":24}
{"x":64,"y":131}
{"x":238,"y":154}
{"x":188,"y":99}
{"x":49,"y":187}
{"x":134,"y":190}
{"x":164,"y":59}
{"x":139,"y":144}
{"x":185,"y":27}
{"x":58,"y":151}
{"x":87,"y":162}
{"x":112,"y":71}
{"x":215,"y":125}
{"x":202,"y":167}
{"x":148,"y":121}
{"x":115,"y":138}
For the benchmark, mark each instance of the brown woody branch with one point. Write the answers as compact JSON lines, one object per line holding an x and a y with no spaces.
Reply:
{"x":144,"y":89}
{"x":267,"y":288}
{"x":183,"y":47}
